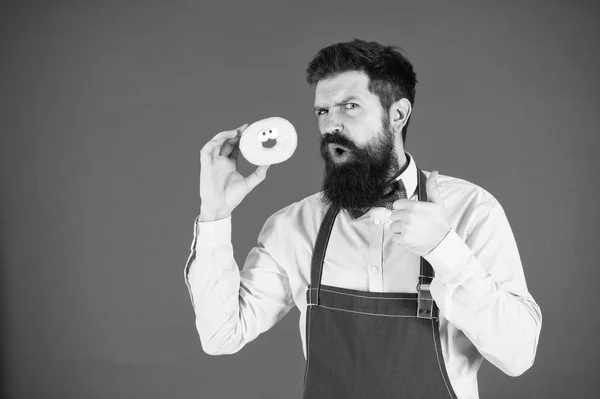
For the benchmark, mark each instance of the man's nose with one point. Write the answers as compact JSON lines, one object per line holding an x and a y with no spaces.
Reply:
{"x":331,"y":124}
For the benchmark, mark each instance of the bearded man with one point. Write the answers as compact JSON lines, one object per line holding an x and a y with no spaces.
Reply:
{"x":405,"y":279}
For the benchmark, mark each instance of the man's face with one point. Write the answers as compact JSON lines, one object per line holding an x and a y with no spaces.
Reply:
{"x":356,"y":142}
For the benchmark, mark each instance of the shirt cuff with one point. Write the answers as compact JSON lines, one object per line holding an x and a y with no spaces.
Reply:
{"x":450,"y":255}
{"x":215,"y":233}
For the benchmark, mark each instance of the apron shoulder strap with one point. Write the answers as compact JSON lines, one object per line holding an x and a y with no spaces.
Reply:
{"x":426,"y":308}
{"x":316,"y":268}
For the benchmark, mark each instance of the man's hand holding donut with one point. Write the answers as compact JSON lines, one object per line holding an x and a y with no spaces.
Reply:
{"x":222,"y":187}
{"x":420,"y":226}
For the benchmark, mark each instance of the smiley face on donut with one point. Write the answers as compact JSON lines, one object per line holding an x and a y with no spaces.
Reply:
{"x":268,"y":141}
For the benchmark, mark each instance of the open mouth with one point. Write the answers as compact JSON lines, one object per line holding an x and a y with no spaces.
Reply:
{"x":338,"y":152}
{"x":270,"y":143}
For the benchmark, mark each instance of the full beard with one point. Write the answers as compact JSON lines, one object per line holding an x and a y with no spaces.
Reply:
{"x":361,"y":179}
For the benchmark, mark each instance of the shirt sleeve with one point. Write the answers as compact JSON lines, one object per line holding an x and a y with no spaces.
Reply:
{"x":480,"y":287}
{"x":233,"y":307}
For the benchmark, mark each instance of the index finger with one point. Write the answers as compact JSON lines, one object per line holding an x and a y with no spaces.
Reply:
{"x":220,"y":138}
{"x":402,"y":203}
{"x":228,"y":148}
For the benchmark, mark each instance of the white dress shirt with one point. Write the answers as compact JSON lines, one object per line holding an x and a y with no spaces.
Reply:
{"x":486,"y":310}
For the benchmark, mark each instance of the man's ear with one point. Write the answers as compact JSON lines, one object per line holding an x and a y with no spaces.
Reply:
{"x":399,"y":114}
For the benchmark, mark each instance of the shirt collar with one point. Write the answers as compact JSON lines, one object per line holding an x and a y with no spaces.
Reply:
{"x":409,"y":175}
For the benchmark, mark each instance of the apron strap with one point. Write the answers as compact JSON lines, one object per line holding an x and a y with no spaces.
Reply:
{"x":425,"y":304}
{"x":316,"y":268}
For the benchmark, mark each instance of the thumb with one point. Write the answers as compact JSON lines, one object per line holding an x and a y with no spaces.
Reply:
{"x":433,"y":193}
{"x":256,"y":177}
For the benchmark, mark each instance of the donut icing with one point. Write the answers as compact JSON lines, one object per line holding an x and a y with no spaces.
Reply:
{"x":268,"y":141}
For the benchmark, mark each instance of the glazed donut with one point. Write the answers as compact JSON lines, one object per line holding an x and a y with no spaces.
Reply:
{"x":268,"y":141}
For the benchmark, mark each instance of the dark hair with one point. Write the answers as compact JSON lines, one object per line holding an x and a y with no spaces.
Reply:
{"x":391,"y":75}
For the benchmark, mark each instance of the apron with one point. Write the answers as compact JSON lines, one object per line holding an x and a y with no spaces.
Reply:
{"x":372,"y":344}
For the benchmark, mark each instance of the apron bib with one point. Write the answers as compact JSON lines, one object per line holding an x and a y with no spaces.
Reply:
{"x":372,"y":344}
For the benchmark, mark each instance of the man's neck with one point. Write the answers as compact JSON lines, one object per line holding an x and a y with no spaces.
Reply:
{"x":402,"y":165}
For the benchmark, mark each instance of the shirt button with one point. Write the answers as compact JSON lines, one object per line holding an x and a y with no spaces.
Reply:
{"x":377,"y":221}
{"x":375,"y":269}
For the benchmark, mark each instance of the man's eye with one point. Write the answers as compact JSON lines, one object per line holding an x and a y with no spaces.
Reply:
{"x":350,"y":105}
{"x":321,"y":112}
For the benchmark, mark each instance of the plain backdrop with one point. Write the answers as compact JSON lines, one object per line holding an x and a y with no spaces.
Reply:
{"x":104,"y":107}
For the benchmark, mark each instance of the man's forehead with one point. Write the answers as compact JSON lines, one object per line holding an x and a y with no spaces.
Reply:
{"x":344,"y":85}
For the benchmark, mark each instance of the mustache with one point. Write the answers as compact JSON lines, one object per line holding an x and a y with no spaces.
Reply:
{"x":337,"y":138}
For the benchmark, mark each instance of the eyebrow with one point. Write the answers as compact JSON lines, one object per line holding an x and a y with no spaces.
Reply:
{"x":345,"y":100}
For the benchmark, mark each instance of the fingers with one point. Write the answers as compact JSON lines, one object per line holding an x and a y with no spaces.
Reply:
{"x":220,"y":139}
{"x":398,"y":215}
{"x":228,"y":146}
{"x":403,"y":204}
{"x":396,"y":227}
{"x":231,"y":147}
{"x":256,"y":177}
{"x":217,"y":141}
{"x":433,"y":192}
{"x":235,"y":152}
